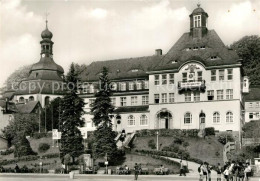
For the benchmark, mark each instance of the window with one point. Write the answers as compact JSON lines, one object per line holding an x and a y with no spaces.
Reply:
{"x":47,"y":100}
{"x":31,"y":98}
{"x":187,"y":118}
{"x":85,"y":88}
{"x":229,"y":117}
{"x":156,"y":80}
{"x":139,"y":85}
{"x":21,"y":99}
{"x":197,"y":21}
{"x":199,"y":76}
{"x":145,"y":100}
{"x":131,"y":86}
{"x":187,"y":96}
{"x":257,"y":116}
{"x":213,"y":57}
{"x":134,"y":100}
{"x":146,"y":84}
{"x":184,"y":77}
{"x":131,"y":120}
{"x":257,"y":104}
{"x":171,"y":78}
{"x":216,"y":117}
{"x":143,"y":120}
{"x":196,"y":96}
{"x":221,"y":75}
{"x":156,"y":98}
{"x":164,"y":98}
{"x":123,"y":101}
{"x":229,"y":94}
{"x":113,"y":101}
{"x":164,"y":79}
{"x":229,"y":74}
{"x":250,"y":104}
{"x":171,"y":97}
{"x":91,"y":88}
{"x":220,"y":95}
{"x":91,"y":101}
{"x":123,"y":86}
{"x":36,"y":75}
{"x":210,"y":94}
{"x":251,"y":115}
{"x":113,"y":86}
{"x":213,"y":75}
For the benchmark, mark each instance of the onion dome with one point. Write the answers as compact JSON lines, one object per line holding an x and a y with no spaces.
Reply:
{"x":46,"y":34}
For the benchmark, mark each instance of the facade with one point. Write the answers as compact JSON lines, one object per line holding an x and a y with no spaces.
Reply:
{"x":252,"y":104}
{"x":45,"y":81}
{"x":197,"y":84}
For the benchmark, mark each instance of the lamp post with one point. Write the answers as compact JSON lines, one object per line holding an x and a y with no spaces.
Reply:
{"x":157,"y":140}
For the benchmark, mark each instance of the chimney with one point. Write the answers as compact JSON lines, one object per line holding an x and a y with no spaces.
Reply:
{"x":158,"y":52}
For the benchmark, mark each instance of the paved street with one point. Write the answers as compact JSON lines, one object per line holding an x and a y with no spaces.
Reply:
{"x":49,"y":177}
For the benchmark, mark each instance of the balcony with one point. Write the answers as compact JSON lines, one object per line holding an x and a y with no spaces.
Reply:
{"x":198,"y":85}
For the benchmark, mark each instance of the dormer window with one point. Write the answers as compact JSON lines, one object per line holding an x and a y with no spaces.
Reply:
{"x":195,"y":48}
{"x":36,"y":75}
{"x":174,"y":61}
{"x":202,"y":47}
{"x":213,"y":57}
{"x":197,"y":21}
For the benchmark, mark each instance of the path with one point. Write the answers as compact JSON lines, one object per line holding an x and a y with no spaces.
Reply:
{"x":193,"y":167}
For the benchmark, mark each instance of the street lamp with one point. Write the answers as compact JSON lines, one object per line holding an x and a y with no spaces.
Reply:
{"x":157,"y":143}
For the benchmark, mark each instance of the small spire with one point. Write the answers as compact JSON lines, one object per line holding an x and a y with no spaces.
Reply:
{"x":46,"y":15}
{"x":198,"y":4}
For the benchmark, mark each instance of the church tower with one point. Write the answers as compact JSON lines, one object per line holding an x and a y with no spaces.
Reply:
{"x":46,"y":78}
{"x":198,"y":22}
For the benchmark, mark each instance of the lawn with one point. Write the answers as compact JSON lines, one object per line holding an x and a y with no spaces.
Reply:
{"x":200,"y":148}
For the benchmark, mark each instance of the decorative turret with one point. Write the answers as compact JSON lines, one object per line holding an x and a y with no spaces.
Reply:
{"x":198,"y":22}
{"x":46,"y":43}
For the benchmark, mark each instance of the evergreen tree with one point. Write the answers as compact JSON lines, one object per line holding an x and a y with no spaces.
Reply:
{"x":104,"y":137}
{"x":71,"y":118}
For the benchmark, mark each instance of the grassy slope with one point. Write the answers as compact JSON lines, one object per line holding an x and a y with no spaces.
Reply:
{"x":204,"y":149}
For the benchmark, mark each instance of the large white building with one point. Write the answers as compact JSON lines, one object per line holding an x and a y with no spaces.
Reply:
{"x":198,"y":83}
{"x":252,"y":104}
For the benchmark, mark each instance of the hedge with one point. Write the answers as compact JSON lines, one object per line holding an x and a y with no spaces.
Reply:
{"x":168,"y":132}
{"x":7,"y":152}
{"x":28,"y":158}
{"x":209,"y":131}
{"x":168,"y":154}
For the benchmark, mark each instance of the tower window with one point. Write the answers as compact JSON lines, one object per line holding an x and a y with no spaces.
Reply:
{"x":197,"y":21}
{"x":47,"y":47}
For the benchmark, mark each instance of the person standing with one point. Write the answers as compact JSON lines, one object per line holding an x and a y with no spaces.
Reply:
{"x":200,"y":172}
{"x":136,"y":170}
{"x":204,"y":170}
{"x":226,"y":173}
{"x":219,"y":172}
{"x":182,"y":172}
{"x":248,"y":172}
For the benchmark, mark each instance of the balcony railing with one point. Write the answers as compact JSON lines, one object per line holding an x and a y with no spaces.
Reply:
{"x":198,"y":85}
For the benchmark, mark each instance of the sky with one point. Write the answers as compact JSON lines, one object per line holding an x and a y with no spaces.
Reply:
{"x":86,"y":30}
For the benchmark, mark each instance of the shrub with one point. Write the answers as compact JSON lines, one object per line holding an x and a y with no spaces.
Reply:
{"x":168,"y":132}
{"x":209,"y":131}
{"x":37,"y":135}
{"x":178,"y":140}
{"x":225,"y":137}
{"x":43,"y":147}
{"x":151,"y":144}
{"x":7,"y":152}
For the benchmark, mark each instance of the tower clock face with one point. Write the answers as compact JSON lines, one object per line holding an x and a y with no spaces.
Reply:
{"x":43,"y":55}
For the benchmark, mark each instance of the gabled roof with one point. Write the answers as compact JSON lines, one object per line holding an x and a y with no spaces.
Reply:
{"x":28,"y":107}
{"x":213,"y":47}
{"x":121,"y":68}
{"x":253,"y":95}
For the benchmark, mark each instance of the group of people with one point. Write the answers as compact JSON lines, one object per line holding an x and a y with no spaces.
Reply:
{"x":235,"y":171}
{"x":124,"y":170}
{"x":232,"y":171}
{"x":205,"y":171}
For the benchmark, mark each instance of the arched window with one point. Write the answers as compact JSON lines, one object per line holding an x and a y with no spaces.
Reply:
{"x":229,"y":117}
{"x":21,"y":99}
{"x":31,"y":98}
{"x":187,"y":118}
{"x":202,"y":117}
{"x":47,"y":100}
{"x":143,"y":120}
{"x":131,"y":120}
{"x":118,"y":119}
{"x":216,"y":117}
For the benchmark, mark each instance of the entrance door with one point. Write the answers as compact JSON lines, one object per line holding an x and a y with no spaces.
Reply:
{"x":163,"y":120}
{"x":202,"y":121}
{"x":166,"y":123}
